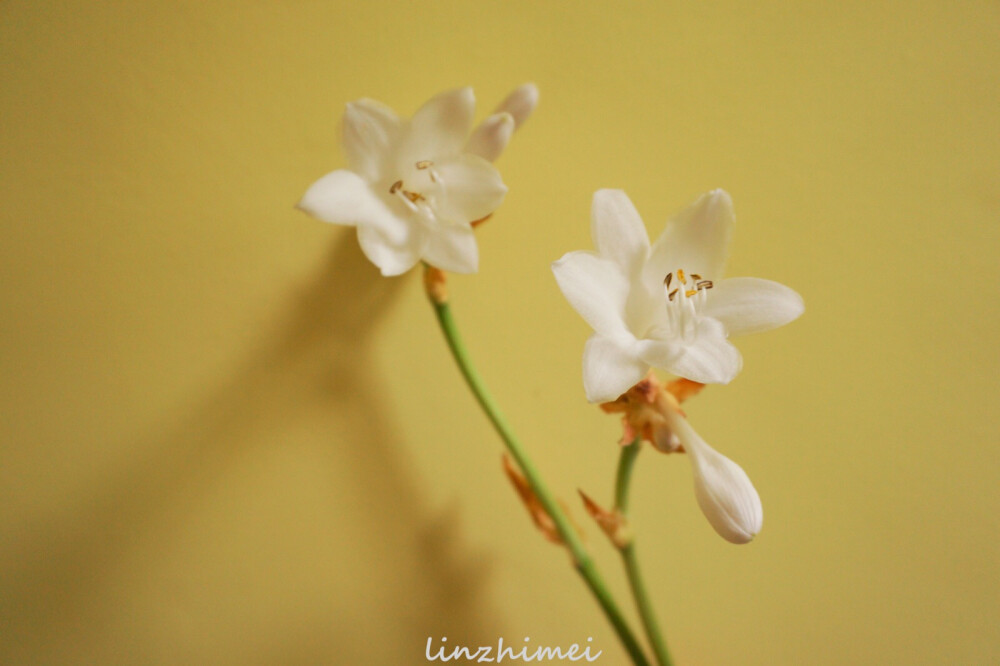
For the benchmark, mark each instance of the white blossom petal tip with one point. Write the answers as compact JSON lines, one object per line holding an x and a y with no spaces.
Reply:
{"x":415,"y":187}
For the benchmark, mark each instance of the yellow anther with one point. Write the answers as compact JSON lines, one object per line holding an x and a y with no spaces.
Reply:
{"x":690,"y":292}
{"x":680,"y":276}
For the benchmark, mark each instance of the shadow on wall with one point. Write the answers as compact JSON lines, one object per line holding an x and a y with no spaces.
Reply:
{"x":72,"y":595}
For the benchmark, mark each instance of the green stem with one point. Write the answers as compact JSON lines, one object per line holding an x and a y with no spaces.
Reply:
{"x":631,"y":561}
{"x":581,"y":559}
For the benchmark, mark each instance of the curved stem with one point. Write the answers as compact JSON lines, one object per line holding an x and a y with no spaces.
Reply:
{"x":631,"y":561}
{"x":581,"y":559}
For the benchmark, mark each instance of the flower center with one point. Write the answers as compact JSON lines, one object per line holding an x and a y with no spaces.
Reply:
{"x":685,"y":297}
{"x":419,"y":194}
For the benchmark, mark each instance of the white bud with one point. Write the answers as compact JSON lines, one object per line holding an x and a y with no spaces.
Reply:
{"x":491,"y":136}
{"x":520,"y":103}
{"x":723,"y":490}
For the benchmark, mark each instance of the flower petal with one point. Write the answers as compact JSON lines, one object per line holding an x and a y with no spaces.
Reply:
{"x":710,"y":358}
{"x":751,"y":305}
{"x":596,"y":289}
{"x":370,"y":128}
{"x":343,"y":197}
{"x":618,"y":231}
{"x":452,"y":248}
{"x":491,"y":136}
{"x":439,"y":128}
{"x":723,"y":490}
{"x":696,"y":240}
{"x":520,"y":103}
{"x":391,"y":258}
{"x":471,"y":189}
{"x":610,"y":367}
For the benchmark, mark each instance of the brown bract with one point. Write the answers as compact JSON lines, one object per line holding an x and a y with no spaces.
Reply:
{"x":612,"y":523}
{"x":543,"y":521}
{"x":435,"y":284}
{"x":645,"y":407}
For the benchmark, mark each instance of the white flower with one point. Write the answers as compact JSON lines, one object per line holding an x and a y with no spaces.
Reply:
{"x":415,"y":186}
{"x":723,"y":490}
{"x":666,"y":305}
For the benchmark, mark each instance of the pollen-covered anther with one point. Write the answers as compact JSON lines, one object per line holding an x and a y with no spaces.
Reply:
{"x":408,"y":197}
{"x":699,"y":284}
{"x":426,"y":165}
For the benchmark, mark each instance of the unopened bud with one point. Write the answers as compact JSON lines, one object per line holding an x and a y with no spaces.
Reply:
{"x":491,"y":136}
{"x":723,"y":490}
{"x":520,"y":103}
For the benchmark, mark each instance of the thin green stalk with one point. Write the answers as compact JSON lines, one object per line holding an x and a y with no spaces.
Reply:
{"x":581,"y":559}
{"x":631,"y":561}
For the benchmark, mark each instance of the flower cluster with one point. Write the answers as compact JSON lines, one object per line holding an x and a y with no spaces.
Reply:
{"x":415,"y":190}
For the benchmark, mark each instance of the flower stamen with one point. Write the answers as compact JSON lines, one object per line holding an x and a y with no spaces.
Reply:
{"x":427,"y":164}
{"x":406,"y":196}
{"x":683,"y":304}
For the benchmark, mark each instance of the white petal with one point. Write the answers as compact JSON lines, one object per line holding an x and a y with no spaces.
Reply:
{"x":439,"y":128}
{"x":391,"y":258}
{"x":596,"y":289}
{"x":610,"y":368}
{"x":618,"y":231}
{"x":370,"y":128}
{"x":471,"y":189}
{"x":710,"y":358}
{"x":696,"y":240}
{"x":452,"y":248}
{"x":751,"y":305}
{"x":723,"y":490}
{"x":343,"y":197}
{"x":491,"y":136}
{"x":520,"y":103}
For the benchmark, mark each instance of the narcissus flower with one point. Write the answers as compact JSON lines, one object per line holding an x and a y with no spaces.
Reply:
{"x":664,"y":305}
{"x":415,"y":186}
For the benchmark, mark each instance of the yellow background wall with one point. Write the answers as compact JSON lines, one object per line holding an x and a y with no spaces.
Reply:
{"x":226,"y":440}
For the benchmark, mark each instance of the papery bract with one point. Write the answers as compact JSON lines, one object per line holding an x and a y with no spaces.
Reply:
{"x":415,"y":186}
{"x":664,"y":305}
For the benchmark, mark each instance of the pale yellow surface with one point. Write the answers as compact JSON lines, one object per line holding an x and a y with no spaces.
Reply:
{"x":226,"y":440}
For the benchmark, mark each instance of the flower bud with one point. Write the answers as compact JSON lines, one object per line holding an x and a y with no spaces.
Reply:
{"x":723,"y":490}
{"x":491,"y":136}
{"x":520,"y":103}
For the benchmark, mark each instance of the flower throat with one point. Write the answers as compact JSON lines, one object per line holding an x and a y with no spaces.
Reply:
{"x":684,"y":300}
